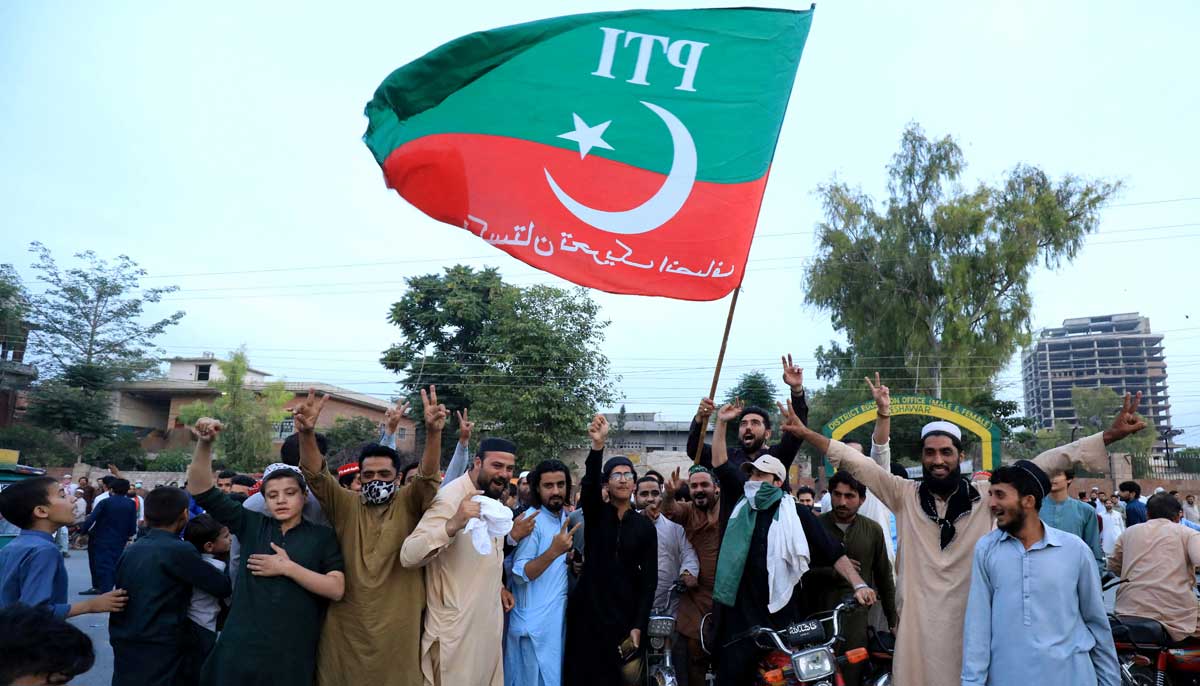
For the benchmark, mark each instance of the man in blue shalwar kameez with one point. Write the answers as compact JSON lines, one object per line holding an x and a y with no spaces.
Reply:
{"x":533,"y":653}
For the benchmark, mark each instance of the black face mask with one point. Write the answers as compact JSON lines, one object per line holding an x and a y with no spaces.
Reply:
{"x":944,"y":486}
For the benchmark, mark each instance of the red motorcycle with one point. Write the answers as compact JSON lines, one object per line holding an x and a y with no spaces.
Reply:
{"x":1148,"y":657}
{"x":801,"y":655}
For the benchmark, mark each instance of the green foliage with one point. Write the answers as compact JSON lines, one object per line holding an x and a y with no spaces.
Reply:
{"x":347,"y":435}
{"x":92,"y":315}
{"x":525,"y":361}
{"x":13,"y":307}
{"x":931,"y":286}
{"x":173,"y":460}
{"x":619,"y":433}
{"x":123,"y":449}
{"x":38,"y":447}
{"x":247,"y":415}
{"x":58,"y":407}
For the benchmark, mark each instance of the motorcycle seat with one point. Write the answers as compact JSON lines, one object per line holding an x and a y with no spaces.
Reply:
{"x":1139,"y":630}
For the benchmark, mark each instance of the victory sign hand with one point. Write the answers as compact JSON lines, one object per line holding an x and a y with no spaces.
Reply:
{"x":304,"y":415}
{"x":793,"y":375}
{"x":435,"y":414}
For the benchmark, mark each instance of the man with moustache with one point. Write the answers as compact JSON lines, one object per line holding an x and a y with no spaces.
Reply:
{"x":754,"y":430}
{"x":465,"y":595}
{"x":536,"y":627}
{"x":701,"y":521}
{"x":940,"y":520}
{"x":377,"y":623}
{"x":1048,"y":619}
{"x":676,"y":557}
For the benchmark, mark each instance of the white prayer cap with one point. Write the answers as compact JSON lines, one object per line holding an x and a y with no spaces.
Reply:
{"x":524,"y":475}
{"x":1160,"y":489}
{"x":945,"y":427}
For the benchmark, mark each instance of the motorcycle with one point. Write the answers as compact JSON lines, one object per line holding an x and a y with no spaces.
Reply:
{"x":881,"y":647}
{"x":801,"y":655}
{"x":660,"y":668}
{"x":1146,"y":654}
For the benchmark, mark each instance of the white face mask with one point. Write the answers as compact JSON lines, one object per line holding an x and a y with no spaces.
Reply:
{"x":750,"y":489}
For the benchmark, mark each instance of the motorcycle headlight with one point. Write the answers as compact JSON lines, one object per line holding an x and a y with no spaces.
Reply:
{"x":658,"y":642}
{"x":813,"y":664}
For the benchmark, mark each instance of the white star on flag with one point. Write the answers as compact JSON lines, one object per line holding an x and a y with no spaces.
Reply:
{"x":587,"y":137}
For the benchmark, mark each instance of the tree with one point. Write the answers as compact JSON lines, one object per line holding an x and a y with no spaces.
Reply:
{"x":346,"y":436}
{"x":524,"y":360}
{"x":247,"y":415}
{"x":13,"y":308}
{"x":38,"y":447}
{"x":1095,"y":409}
{"x":122,"y":449}
{"x":619,"y":434}
{"x":932,"y":288}
{"x":80,"y":411}
{"x":91,"y":315}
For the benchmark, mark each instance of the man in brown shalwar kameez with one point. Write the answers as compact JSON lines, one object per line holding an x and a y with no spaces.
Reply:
{"x":373,"y":635}
{"x":938,"y":523}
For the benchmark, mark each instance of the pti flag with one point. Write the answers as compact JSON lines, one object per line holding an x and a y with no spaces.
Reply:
{"x":624,"y":151}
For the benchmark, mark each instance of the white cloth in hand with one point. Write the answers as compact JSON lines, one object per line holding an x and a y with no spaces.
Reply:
{"x":494,"y":521}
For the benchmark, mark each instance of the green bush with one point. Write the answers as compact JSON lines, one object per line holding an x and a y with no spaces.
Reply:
{"x":38,"y":447}
{"x":173,"y":460}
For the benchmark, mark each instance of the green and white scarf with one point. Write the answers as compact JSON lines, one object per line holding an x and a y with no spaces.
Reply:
{"x":736,"y":543}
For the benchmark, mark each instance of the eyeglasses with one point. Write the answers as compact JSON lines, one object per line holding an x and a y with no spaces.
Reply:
{"x":621,"y":476}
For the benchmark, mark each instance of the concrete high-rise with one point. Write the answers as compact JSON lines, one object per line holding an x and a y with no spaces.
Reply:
{"x":1117,"y":350}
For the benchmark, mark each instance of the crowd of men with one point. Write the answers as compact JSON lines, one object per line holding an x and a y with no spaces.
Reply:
{"x":390,"y":573}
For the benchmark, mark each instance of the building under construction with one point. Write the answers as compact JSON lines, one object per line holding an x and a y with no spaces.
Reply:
{"x":1116,"y":350}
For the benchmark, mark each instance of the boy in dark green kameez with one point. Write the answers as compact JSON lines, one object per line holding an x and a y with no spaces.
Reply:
{"x":290,"y":570}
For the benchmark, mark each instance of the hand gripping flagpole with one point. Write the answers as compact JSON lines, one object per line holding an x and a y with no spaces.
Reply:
{"x":712,"y":392}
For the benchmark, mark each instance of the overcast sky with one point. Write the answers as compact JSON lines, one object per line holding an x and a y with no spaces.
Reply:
{"x":219,"y":146}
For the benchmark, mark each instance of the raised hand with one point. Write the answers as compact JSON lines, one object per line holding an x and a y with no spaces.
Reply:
{"x":278,"y":564}
{"x":793,"y":375}
{"x":673,"y":484}
{"x":1127,"y":422}
{"x":304,"y":415}
{"x":206,"y":429}
{"x":465,"y":426}
{"x":523,"y":525}
{"x":791,"y":423}
{"x":564,"y":539}
{"x":598,"y":431}
{"x":882,"y":395}
{"x":435,"y":414}
{"x":705,"y":411}
{"x":730,"y":411}
{"x":393,"y":415}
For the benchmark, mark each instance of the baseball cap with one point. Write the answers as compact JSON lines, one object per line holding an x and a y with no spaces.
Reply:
{"x":768,"y":464}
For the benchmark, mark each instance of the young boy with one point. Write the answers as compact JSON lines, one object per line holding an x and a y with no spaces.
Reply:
{"x":39,"y":648}
{"x":210,"y":539}
{"x":160,"y":571}
{"x":31,"y":567}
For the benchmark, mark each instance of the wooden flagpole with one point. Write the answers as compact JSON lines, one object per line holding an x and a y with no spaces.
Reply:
{"x":717,"y":372}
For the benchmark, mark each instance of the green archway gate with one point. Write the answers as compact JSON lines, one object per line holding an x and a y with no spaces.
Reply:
{"x":981,"y":426}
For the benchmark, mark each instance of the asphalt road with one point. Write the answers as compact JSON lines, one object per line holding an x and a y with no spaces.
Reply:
{"x":95,"y":626}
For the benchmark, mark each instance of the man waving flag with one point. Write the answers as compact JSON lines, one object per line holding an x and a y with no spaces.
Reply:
{"x":624,"y":151}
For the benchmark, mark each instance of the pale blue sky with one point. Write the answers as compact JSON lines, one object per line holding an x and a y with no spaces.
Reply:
{"x":202,"y":139}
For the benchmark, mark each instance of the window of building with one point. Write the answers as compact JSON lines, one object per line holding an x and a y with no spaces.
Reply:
{"x":202,"y":371}
{"x":400,"y":433}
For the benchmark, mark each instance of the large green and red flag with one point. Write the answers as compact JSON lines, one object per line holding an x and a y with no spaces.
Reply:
{"x":624,"y":151}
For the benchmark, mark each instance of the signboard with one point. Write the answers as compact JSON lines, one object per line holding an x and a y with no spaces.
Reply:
{"x":926,"y":406}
